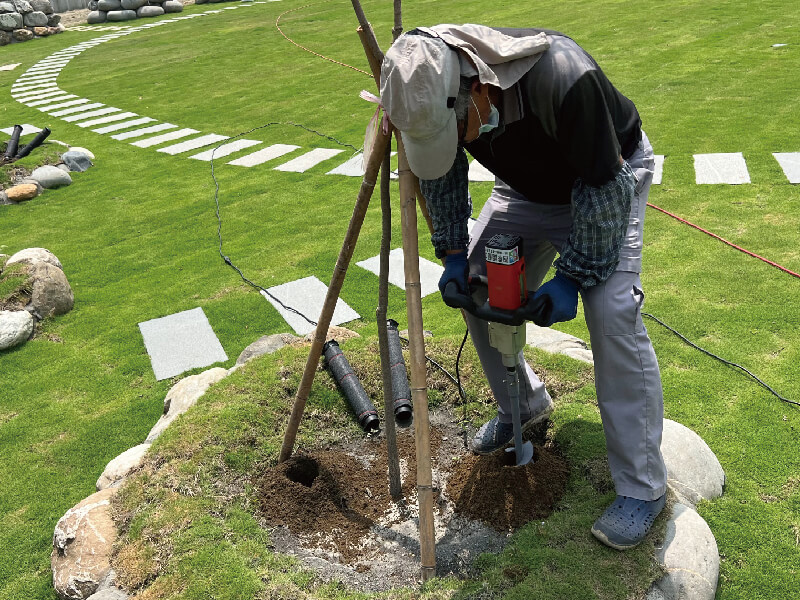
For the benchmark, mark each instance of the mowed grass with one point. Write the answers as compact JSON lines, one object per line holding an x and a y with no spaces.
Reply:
{"x":137,"y":237}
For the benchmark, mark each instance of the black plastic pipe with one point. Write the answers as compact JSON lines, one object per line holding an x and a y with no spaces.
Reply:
{"x":34,"y":143}
{"x":13,"y":143}
{"x":351,"y":387}
{"x":401,"y":391}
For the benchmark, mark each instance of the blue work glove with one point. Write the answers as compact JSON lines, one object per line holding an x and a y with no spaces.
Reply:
{"x":563,"y":293}
{"x":456,"y":269}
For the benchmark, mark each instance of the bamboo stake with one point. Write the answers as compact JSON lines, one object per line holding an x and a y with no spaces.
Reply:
{"x":339,"y":272}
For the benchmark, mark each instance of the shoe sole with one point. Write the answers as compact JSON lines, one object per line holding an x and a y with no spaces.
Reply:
{"x":602,"y":538}
{"x":525,"y":426}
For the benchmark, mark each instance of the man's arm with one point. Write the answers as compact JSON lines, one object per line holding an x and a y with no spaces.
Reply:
{"x":450,"y":206}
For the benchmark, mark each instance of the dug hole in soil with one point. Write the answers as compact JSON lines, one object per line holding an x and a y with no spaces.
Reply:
{"x":331,"y":507}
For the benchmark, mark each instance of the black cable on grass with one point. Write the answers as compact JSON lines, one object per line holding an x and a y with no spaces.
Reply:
{"x":219,"y":218}
{"x":719,"y":358}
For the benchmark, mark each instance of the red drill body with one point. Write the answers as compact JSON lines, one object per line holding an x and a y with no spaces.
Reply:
{"x":505,"y":272}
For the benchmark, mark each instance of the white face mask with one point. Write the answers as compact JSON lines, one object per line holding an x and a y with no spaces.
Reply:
{"x":492,"y":122}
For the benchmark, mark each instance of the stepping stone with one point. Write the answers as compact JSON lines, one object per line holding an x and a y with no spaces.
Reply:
{"x":262,"y":156}
{"x":26,"y":130}
{"x":307,"y":296}
{"x":181,"y":342}
{"x":94,"y":113}
{"x":108,"y":119}
{"x":144,"y":131}
{"x":354,"y":167}
{"x":727,"y":168}
{"x":659,"y":169}
{"x":429,"y":272}
{"x":790,"y":163}
{"x":63,"y":104}
{"x":308,"y":160}
{"x":194,"y":144}
{"x":477,"y":172}
{"x":693,"y":471}
{"x":167,"y":137}
{"x":10,"y":67}
{"x":225,"y":149}
{"x":48,"y":97}
{"x":125,"y":125}
{"x":76,"y":109}
{"x":56,"y":98}
{"x":556,"y":342}
{"x":39,"y":93}
{"x":16,"y":89}
{"x":39,"y":78}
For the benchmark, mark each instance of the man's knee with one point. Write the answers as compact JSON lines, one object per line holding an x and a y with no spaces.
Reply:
{"x":614,"y":307}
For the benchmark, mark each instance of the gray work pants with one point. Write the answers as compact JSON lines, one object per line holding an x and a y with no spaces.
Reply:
{"x":627,"y":378}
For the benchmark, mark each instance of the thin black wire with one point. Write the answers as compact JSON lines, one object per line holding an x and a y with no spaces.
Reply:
{"x":219,"y":217}
{"x":719,"y":358}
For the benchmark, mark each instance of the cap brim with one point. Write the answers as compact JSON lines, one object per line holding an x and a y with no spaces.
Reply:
{"x":432,"y":157}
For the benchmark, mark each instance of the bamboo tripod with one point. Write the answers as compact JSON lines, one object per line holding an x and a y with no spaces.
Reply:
{"x":409,"y":190}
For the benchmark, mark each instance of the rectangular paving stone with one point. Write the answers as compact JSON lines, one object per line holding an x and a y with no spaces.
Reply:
{"x":36,"y":78}
{"x":107,"y":119}
{"x":43,"y":96}
{"x":659,"y":169}
{"x":307,"y":297}
{"x":125,"y":125}
{"x":429,"y":272}
{"x":56,"y":98}
{"x":40,"y":93}
{"x":262,"y":156}
{"x":790,"y":163}
{"x":166,"y":137}
{"x":58,"y":105}
{"x":75,"y":109}
{"x":353,"y":167}
{"x":17,"y":89}
{"x":180,"y":342}
{"x":93,"y":113}
{"x":309,"y":159}
{"x":144,"y":131}
{"x":728,"y":168}
{"x":26,"y":129}
{"x":477,"y":172}
{"x":194,"y":144}
{"x":226,"y":149}
{"x":10,"y":67}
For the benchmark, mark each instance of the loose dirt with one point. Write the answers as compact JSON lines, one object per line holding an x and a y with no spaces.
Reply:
{"x":331,"y":506}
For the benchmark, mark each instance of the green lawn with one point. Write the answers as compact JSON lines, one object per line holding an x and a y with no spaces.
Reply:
{"x":137,"y":237}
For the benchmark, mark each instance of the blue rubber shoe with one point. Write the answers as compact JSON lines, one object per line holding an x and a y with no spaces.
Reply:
{"x":626,"y":522}
{"x":493,"y":436}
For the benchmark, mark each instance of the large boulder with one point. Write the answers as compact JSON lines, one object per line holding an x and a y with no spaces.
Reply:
{"x":693,"y":471}
{"x":7,"y":7}
{"x":51,"y":177}
{"x":121,"y":15}
{"x":42,"y":31}
{"x":690,"y":558}
{"x":76,"y":161}
{"x":22,"y":35}
{"x":16,"y":326}
{"x":150,"y":11}
{"x":35,"y":19}
{"x":109,"y":5}
{"x":133,"y":4}
{"x":119,"y":468}
{"x":96,"y":16}
{"x":23,"y":6}
{"x":172,"y":6}
{"x":10,"y":21}
{"x":182,"y":396}
{"x":82,"y":544}
{"x":51,"y":293}
{"x":42,"y":6}
{"x":53,"y":20}
{"x":34,"y":255}
{"x":20,"y":193}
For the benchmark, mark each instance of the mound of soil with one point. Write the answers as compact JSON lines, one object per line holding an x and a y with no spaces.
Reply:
{"x":332,"y":508}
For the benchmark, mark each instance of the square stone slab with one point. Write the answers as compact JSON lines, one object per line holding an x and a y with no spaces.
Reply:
{"x":429,"y":272}
{"x":26,"y":129}
{"x":307,"y":296}
{"x":727,"y":168}
{"x":181,"y":342}
{"x":790,"y":163}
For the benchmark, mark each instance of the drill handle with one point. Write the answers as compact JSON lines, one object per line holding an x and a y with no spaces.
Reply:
{"x":536,"y":310}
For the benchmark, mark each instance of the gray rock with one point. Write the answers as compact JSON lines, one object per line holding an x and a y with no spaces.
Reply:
{"x":51,"y":292}
{"x":92,"y":5}
{"x":29,"y":181}
{"x":3,"y":198}
{"x":265,"y":345}
{"x":557,"y":342}
{"x":5,"y":38}
{"x":16,"y":326}
{"x":82,"y":151}
{"x":108,"y":5}
{"x":22,"y":35}
{"x":63,"y":167}
{"x":150,"y":11}
{"x":96,"y":16}
{"x":172,"y":6}
{"x":42,"y":6}
{"x":133,"y":4}
{"x":121,"y":15}
{"x":201,"y":2}
{"x":7,"y":7}
{"x":690,"y":558}
{"x":693,"y":471}
{"x":35,"y":19}
{"x":23,"y":6}
{"x":32,"y":256}
{"x":10,"y":21}
{"x":76,"y":161}
{"x":108,"y":589}
{"x":51,"y":177}
{"x":119,"y":468}
{"x":53,"y":20}
{"x":182,"y":396}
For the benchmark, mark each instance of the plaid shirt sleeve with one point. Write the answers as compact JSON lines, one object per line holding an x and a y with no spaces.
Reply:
{"x":600,"y":221}
{"x":450,"y":206}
